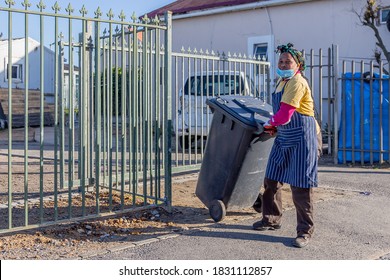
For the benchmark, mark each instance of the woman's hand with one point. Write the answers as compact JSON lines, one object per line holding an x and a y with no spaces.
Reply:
{"x":269,"y":128}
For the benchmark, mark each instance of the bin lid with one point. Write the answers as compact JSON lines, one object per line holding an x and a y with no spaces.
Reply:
{"x":245,"y":109}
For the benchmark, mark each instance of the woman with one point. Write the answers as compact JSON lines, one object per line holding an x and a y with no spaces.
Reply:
{"x":293,"y":159}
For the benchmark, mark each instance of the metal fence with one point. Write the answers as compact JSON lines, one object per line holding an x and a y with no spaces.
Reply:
{"x":322,"y":75}
{"x":107,"y":92}
{"x":352,"y":99}
{"x":198,"y":76}
{"x":352,"y":105}
{"x":98,"y":124}
{"x":364,"y":117}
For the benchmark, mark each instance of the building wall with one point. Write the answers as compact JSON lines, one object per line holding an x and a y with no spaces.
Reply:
{"x":309,"y":25}
{"x":18,"y":55}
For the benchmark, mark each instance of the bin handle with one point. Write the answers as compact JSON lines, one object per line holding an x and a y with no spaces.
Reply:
{"x":220,"y":100}
{"x":249,"y":110}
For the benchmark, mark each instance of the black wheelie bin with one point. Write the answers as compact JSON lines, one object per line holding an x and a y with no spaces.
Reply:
{"x":236,"y":154}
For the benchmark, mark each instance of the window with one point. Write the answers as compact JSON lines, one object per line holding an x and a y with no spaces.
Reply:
{"x":16,"y":71}
{"x":260,"y":50}
{"x":218,"y":84}
{"x":262,"y":46}
{"x":383,"y":14}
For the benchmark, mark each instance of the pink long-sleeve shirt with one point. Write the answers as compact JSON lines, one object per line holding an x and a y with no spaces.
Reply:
{"x":284,"y":114}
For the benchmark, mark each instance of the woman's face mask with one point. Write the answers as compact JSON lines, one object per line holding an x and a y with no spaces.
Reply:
{"x":287,"y":67}
{"x":286,"y":74}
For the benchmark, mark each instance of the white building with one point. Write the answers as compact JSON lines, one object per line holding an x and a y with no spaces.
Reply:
{"x":19,"y":67}
{"x":34,"y":72}
{"x":258,"y":26}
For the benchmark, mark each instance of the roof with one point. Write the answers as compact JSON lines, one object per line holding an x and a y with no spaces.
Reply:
{"x":13,"y":39}
{"x":32,"y":42}
{"x":185,"y":6}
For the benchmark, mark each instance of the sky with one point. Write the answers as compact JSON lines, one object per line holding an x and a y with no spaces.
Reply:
{"x":140,"y":7}
{"x":129,"y":6}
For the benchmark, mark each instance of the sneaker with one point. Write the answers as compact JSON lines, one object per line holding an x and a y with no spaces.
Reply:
{"x":261,"y":225}
{"x":301,"y":241}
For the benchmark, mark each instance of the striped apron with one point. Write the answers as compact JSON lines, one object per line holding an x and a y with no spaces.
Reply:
{"x":293,"y":158}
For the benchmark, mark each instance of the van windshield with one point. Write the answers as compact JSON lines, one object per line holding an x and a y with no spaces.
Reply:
{"x":210,"y":85}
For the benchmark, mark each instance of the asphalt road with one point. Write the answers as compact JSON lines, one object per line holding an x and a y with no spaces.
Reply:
{"x":351,"y":227}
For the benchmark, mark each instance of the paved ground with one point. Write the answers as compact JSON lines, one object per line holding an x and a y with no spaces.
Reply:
{"x":348,"y":227}
{"x":352,"y":227}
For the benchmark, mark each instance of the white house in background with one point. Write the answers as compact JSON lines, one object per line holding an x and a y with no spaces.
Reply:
{"x":34,"y":56}
{"x":258,"y":26}
{"x":19,"y":67}
{"x":65,"y":86}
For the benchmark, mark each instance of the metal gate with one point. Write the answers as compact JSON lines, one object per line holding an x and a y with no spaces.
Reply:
{"x":100,"y":88}
{"x":322,"y":73}
{"x":364,"y":117}
{"x":197,"y":76}
{"x":351,"y":98}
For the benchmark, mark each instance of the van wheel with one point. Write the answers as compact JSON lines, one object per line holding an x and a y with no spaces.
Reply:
{"x":189,"y":143}
{"x":184,"y":142}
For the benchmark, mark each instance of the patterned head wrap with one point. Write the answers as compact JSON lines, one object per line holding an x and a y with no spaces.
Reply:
{"x":297,"y":55}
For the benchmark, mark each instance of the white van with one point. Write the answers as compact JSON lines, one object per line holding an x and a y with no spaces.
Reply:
{"x":193,"y":119}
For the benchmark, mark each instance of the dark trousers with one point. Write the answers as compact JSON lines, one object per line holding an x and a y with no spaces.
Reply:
{"x":303,"y":201}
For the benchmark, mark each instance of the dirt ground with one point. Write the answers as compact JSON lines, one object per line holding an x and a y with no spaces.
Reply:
{"x":82,"y":239}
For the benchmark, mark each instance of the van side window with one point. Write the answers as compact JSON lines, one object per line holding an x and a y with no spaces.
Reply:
{"x":212,"y":85}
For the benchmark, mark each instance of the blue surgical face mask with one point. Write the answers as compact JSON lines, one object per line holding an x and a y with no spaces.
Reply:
{"x":286,"y":74}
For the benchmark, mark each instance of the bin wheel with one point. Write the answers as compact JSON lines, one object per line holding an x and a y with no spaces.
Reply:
{"x":257,"y":206}
{"x":217,"y":210}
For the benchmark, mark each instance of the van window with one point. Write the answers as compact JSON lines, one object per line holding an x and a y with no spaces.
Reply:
{"x":209,"y":85}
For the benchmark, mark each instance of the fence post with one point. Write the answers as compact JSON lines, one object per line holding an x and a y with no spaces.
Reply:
{"x":168,"y":109}
{"x":90,"y":115}
{"x":9,"y":71}
{"x":98,"y":117}
{"x":335,"y":61}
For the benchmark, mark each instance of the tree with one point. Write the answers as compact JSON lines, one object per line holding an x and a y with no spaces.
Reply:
{"x":369,"y":17}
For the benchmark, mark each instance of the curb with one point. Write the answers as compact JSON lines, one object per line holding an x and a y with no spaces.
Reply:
{"x":136,"y":244}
